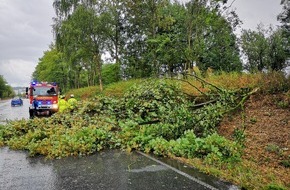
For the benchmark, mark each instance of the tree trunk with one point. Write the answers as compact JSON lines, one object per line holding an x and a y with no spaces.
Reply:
{"x":100,"y":78}
{"x":99,"y":69}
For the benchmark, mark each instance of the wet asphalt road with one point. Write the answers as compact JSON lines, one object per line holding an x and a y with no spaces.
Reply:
{"x":11,"y":113}
{"x":106,"y":170}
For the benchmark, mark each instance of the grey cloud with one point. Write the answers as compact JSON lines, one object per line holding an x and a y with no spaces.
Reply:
{"x":26,"y":30}
{"x":255,"y":12}
{"x":25,"y":33}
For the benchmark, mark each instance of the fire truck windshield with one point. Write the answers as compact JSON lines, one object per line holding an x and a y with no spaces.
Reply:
{"x":44,"y":91}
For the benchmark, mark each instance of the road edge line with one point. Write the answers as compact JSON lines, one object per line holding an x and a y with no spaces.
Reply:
{"x":178,"y":171}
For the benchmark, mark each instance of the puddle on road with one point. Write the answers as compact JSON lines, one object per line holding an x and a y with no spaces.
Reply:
{"x":152,"y":168}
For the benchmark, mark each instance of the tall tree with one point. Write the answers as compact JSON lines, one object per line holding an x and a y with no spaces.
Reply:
{"x":210,"y":38}
{"x":265,"y":49}
{"x":51,"y":67}
{"x":278,"y":50}
{"x":284,"y":18}
{"x":80,"y":33}
{"x":147,"y":38}
{"x":115,"y":34}
{"x":137,"y":32}
{"x":169,"y":42}
{"x":256,"y":49}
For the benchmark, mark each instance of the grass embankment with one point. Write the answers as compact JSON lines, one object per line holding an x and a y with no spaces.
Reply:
{"x":239,"y":145}
{"x":267,"y":83}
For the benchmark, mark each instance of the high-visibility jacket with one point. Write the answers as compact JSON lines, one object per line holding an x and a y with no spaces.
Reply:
{"x":62,"y":105}
{"x":72,"y":103}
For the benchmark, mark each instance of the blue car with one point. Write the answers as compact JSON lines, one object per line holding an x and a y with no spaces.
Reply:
{"x":17,"y":101}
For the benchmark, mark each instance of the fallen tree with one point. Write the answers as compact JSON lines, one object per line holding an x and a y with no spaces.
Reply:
{"x":148,"y":113}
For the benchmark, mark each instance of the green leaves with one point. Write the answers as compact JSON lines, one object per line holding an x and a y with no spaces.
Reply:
{"x":154,"y":116}
{"x":265,"y":49}
{"x":5,"y":89}
{"x":212,"y":148}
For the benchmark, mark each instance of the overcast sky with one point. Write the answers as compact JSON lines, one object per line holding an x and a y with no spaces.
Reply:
{"x":26,"y":31}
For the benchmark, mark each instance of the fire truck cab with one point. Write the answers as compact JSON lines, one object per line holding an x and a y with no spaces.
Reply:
{"x":43,"y":98}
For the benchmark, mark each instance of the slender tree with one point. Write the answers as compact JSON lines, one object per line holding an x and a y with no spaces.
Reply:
{"x":147,"y":38}
{"x":265,"y":49}
{"x":210,"y":38}
{"x":284,"y":18}
{"x":169,"y":42}
{"x":80,"y":33}
{"x":278,"y":50}
{"x":256,"y":49}
{"x":116,"y":23}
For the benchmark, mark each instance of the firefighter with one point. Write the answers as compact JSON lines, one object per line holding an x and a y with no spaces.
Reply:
{"x":35,"y":105}
{"x":72,"y":102}
{"x":63,"y":104}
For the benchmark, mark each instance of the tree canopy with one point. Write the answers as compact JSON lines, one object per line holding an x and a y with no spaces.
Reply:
{"x":155,"y":38}
{"x":5,"y":89}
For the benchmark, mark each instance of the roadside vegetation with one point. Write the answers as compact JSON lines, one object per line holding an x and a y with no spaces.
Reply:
{"x":174,"y":86}
{"x":189,"y":120}
{"x":6,"y":91}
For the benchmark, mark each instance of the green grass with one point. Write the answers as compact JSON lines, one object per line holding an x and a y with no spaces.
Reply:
{"x":118,"y":89}
{"x":267,"y":83}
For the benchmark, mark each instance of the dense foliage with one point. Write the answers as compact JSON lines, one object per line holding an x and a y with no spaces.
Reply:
{"x":5,"y":89}
{"x":153,"y":117}
{"x":167,"y":38}
{"x":265,"y":49}
{"x":284,"y":18}
{"x":177,"y":119}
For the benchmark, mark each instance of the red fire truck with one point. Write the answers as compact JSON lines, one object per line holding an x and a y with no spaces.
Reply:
{"x":43,"y":98}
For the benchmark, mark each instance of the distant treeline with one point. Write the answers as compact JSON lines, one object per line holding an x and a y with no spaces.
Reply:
{"x":5,"y":89}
